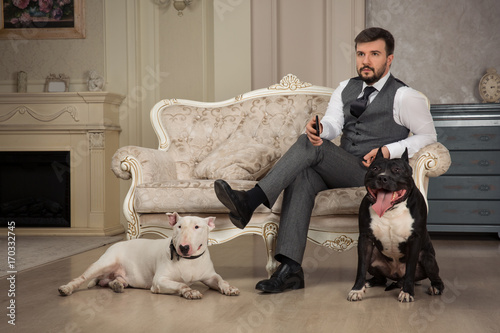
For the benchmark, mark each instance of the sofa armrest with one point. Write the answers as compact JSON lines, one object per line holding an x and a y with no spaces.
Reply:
{"x":431,"y":161}
{"x":143,"y":165}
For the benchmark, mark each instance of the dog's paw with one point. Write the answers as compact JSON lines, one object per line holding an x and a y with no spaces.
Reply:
{"x":356,"y":295}
{"x":65,"y":290}
{"x":231,"y":291}
{"x":434,"y":291}
{"x":405,"y":297}
{"x":117,"y":286}
{"x":192,"y":294}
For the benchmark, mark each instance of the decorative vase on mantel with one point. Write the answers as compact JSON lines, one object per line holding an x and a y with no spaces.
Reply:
{"x":22,"y":82}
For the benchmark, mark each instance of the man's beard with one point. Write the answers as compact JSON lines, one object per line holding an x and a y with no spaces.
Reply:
{"x":376,"y":75}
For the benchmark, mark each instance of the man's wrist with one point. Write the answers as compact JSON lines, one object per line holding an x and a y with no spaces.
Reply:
{"x":386,"y":152}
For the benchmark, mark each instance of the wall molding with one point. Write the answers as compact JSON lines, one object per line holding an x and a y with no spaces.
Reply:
{"x":343,"y":20}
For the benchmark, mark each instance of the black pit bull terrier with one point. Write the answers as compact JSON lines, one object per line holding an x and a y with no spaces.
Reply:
{"x":393,"y":239}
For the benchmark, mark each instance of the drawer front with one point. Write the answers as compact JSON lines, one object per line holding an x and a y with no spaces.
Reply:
{"x":464,"y":212}
{"x":464,"y":187}
{"x":469,"y":138}
{"x":474,"y":163}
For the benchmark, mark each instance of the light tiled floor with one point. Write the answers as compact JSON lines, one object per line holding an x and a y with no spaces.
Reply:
{"x":470,"y":267}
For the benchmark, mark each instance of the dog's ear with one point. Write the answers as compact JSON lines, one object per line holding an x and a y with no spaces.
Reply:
{"x":173,"y":218}
{"x":404,"y":157}
{"x":211,"y":222}
{"x":379,"y":153}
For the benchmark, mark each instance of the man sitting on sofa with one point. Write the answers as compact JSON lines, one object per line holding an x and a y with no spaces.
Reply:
{"x":372,"y":110}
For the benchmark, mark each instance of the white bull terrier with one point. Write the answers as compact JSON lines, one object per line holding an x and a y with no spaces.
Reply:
{"x":166,"y":266}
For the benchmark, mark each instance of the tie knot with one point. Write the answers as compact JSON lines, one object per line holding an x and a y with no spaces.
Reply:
{"x":359,"y":105}
{"x":368,"y":91}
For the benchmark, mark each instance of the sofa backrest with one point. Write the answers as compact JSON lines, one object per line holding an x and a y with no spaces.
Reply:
{"x":273,"y":117}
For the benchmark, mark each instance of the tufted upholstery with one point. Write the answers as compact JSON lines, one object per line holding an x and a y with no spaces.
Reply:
{"x":270,"y":121}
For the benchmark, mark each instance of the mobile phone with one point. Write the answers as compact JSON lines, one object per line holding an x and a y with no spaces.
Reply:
{"x":317,"y":126}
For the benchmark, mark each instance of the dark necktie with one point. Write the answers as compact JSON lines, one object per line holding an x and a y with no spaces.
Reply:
{"x":359,"y":105}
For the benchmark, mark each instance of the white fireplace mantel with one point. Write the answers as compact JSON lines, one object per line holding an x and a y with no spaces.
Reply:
{"x":87,"y":125}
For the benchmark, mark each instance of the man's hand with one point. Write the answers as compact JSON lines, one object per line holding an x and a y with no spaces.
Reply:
{"x":368,"y":158}
{"x":311,"y":132}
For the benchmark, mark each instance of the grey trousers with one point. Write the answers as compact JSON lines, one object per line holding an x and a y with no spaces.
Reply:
{"x":302,"y":172}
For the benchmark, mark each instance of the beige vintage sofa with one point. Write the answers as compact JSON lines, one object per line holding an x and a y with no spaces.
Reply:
{"x":239,"y":140}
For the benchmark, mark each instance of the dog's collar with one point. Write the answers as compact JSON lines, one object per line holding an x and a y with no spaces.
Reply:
{"x":173,"y":250}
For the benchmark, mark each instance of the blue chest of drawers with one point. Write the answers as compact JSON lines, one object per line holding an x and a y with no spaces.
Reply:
{"x":467,"y":197}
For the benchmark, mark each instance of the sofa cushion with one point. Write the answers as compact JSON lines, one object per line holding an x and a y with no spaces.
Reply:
{"x":198,"y":196}
{"x":239,"y":157}
{"x":184,"y":196}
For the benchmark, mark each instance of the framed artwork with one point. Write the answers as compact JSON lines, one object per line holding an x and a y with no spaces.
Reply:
{"x":42,"y":19}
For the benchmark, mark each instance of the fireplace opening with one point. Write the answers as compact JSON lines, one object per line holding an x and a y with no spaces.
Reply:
{"x":35,"y":189}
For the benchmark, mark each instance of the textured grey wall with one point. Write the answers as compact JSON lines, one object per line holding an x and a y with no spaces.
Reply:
{"x":443,"y":47}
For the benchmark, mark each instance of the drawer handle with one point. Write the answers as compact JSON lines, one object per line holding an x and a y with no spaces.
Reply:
{"x":484,"y":163}
{"x":484,"y":188}
{"x":484,"y":212}
{"x":484,"y":138}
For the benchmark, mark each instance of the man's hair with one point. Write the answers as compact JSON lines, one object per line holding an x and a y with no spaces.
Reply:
{"x":373,"y":34}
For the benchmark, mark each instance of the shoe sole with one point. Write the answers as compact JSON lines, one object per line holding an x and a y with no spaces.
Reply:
{"x":237,"y":221}
{"x":292,"y":286}
{"x":222,"y":191}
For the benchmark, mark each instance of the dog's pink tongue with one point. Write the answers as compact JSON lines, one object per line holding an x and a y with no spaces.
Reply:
{"x":383,"y":202}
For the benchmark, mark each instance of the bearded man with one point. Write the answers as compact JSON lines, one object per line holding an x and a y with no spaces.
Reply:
{"x":369,"y":111}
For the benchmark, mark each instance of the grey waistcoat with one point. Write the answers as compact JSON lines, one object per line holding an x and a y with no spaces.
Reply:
{"x":376,"y":126}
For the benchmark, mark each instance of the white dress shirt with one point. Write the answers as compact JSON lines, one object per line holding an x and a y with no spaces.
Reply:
{"x":411,"y":110}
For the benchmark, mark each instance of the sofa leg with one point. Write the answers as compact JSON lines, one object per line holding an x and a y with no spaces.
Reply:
{"x":269,"y":232}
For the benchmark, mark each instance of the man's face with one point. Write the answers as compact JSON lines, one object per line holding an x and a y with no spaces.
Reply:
{"x":372,"y":62}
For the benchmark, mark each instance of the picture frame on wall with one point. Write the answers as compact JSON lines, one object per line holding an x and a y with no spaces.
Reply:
{"x":42,"y":19}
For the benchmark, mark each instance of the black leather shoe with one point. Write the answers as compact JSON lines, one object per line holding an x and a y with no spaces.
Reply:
{"x":284,"y":278}
{"x":236,"y":201}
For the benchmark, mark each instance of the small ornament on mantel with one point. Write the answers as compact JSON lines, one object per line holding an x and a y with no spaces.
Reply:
{"x":22,"y":82}
{"x":95,"y":82}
